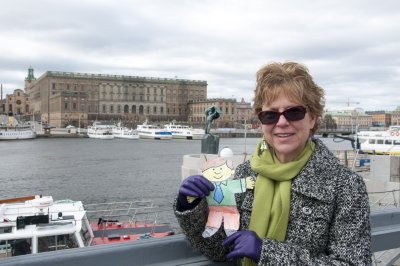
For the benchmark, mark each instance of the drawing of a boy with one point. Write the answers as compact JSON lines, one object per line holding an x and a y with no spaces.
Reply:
{"x":221,"y":201}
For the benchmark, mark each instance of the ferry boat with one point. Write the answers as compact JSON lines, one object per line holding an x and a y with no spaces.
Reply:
{"x":380,"y":142}
{"x":12,"y":129}
{"x":100,"y":131}
{"x":124,"y":133}
{"x":37,"y":224}
{"x":184,"y":132}
{"x":146,"y":131}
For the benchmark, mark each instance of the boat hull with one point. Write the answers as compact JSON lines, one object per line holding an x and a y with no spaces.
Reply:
{"x":17,"y":134}
{"x":96,"y":136}
{"x":126,"y":136}
{"x":144,"y":135}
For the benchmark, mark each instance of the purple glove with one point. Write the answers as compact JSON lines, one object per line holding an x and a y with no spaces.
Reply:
{"x":245,"y":244}
{"x":197,"y":186}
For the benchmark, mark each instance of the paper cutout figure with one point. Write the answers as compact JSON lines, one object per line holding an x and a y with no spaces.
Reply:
{"x":221,"y":201}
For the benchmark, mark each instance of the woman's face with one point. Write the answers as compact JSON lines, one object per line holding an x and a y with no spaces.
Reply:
{"x":288,"y":138}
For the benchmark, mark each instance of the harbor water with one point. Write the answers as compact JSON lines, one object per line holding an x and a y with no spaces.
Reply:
{"x":97,"y":171}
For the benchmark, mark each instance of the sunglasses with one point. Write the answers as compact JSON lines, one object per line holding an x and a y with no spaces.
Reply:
{"x":292,"y":114}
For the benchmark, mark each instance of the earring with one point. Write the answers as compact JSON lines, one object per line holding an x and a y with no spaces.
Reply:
{"x":263,"y":146}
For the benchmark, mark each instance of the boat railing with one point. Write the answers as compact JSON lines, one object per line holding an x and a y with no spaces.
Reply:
{"x":115,"y":209}
{"x":136,"y":213}
{"x":384,"y":199}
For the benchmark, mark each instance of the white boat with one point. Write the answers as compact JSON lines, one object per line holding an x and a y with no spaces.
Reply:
{"x":100,"y":131}
{"x":380,"y":142}
{"x":184,"y":132}
{"x":37,"y":224}
{"x":146,"y":131}
{"x":12,"y":129}
{"x":124,"y":132}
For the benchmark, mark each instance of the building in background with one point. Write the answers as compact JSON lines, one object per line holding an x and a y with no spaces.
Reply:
{"x":349,"y":119}
{"x":63,"y":98}
{"x":245,"y":114}
{"x":395,"y":120}
{"x":380,"y":118}
{"x":227,"y":106}
{"x":17,"y":103}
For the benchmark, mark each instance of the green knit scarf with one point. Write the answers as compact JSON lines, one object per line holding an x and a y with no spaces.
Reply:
{"x":270,"y":214}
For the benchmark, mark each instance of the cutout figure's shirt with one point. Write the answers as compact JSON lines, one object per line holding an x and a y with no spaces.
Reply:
{"x":228,"y":189}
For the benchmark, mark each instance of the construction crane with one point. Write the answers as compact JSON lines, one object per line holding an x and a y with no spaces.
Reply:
{"x":348,"y":102}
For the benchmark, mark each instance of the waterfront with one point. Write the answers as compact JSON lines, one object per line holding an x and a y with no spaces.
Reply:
{"x":95,"y":171}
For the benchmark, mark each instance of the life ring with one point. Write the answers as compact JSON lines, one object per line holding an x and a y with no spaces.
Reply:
{"x":397,"y":133}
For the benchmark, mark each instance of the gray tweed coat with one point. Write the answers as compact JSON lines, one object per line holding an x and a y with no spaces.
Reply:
{"x":328,"y":219}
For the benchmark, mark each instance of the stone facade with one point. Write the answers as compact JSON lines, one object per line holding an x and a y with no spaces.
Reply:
{"x":227,"y":106}
{"x":380,"y":118}
{"x":63,"y":98}
{"x":396,"y":117}
{"x":350,"y":120}
{"x":17,"y":103}
{"x":245,"y":113}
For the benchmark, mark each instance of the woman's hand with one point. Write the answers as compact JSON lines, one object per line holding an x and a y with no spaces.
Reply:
{"x":193,"y":187}
{"x":245,"y":244}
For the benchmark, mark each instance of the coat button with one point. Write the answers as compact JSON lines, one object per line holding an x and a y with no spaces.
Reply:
{"x":307,"y":210}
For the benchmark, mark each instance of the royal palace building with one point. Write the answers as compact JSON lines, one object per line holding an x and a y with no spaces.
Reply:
{"x":63,"y":98}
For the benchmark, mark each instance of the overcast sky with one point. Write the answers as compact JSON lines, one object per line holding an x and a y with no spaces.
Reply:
{"x":352,"y":48}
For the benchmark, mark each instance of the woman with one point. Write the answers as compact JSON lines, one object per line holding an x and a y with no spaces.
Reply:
{"x":306,"y":208}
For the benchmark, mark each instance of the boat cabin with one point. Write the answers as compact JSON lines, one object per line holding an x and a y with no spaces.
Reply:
{"x":41,"y":225}
{"x":380,"y":142}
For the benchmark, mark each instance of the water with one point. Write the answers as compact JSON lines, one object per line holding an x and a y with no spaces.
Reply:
{"x":96,"y":171}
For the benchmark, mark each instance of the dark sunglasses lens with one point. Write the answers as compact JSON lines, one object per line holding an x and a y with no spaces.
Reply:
{"x":268,"y":117}
{"x":292,"y":114}
{"x":295,"y":113}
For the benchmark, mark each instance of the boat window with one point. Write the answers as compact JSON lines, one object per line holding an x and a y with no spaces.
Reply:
{"x":15,"y":247}
{"x":371,"y":141}
{"x":5,"y":230}
{"x":388,"y":141}
{"x":57,"y":242}
{"x":396,"y":142}
{"x":380,"y":141}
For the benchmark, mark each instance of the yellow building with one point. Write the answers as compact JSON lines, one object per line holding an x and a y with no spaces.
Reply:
{"x":17,"y":103}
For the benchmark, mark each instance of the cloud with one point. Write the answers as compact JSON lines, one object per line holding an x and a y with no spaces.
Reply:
{"x":351,"y":48}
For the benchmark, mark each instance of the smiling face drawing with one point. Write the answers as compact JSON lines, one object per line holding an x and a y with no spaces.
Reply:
{"x":218,"y":170}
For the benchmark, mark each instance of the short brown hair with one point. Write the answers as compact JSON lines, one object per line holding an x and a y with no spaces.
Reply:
{"x":292,"y":79}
